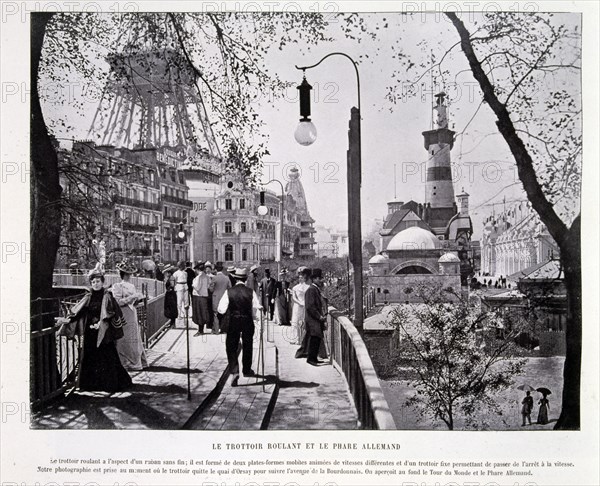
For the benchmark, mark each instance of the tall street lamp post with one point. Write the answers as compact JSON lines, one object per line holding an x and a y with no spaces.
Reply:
{"x":263,"y":210}
{"x":306,"y":134}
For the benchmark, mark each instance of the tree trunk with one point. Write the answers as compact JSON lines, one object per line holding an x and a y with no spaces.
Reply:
{"x":45,"y":188}
{"x":570,"y":255}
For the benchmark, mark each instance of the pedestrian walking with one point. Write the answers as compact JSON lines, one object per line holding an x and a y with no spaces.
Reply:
{"x":200,"y":309}
{"x":315,"y":316}
{"x":180,"y":279}
{"x":543,"y":412}
{"x":268,"y":290}
{"x":298,"y":292}
{"x":252,"y":280}
{"x":527,"y":406}
{"x":98,"y":317}
{"x":130,"y":347}
{"x":220,"y":284}
{"x":241,"y":304}
{"x":170,"y":306}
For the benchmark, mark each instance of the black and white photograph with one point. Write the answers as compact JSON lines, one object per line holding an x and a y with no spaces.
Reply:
{"x":390,"y":203}
{"x":309,"y":217}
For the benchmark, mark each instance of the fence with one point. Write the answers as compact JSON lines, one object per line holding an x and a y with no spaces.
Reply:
{"x":151,"y":316}
{"x":368,"y":301}
{"x":71,"y":278}
{"x":349,"y":354}
{"x":53,"y":359}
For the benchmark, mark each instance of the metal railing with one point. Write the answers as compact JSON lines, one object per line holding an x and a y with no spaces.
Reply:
{"x":349,"y":354}
{"x":53,"y":358}
{"x":368,"y":301}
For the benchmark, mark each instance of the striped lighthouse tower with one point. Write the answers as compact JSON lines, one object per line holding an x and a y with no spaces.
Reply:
{"x":439,"y":142}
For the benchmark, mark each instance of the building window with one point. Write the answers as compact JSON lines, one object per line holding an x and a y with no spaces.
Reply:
{"x":242,"y":204}
{"x":228,"y":227}
{"x":216,"y":254}
{"x":228,"y":253}
{"x":243,"y":229}
{"x":227,"y":203}
{"x":244,"y":254}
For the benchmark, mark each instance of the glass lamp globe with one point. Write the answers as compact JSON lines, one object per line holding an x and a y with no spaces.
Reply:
{"x":262,"y":210}
{"x":306,"y":132}
{"x":181,"y":235}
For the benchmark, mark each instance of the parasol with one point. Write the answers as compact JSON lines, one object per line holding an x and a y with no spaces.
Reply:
{"x":544,"y":391}
{"x":148,"y":265}
{"x":525,"y":387}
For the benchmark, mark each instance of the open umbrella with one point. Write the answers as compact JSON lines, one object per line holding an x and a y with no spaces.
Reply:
{"x":525,"y":387}
{"x":148,"y":265}
{"x":544,"y":391}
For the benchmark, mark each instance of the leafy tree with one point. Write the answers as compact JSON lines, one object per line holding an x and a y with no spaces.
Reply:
{"x":528,"y":69}
{"x":545,"y":144}
{"x":458,"y":363}
{"x":225,"y":51}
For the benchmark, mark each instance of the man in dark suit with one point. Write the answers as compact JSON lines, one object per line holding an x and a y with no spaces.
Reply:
{"x":241,"y":303}
{"x":268,"y":289}
{"x":315,"y":316}
{"x":220,"y":284}
{"x":191,"y":275}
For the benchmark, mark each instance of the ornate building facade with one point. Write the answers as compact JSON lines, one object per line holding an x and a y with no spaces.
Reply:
{"x":145,"y":205}
{"x":243,"y":237}
{"x":515,"y":240}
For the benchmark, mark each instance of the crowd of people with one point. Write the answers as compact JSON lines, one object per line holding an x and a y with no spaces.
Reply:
{"x":229,"y":300}
{"x":222,"y":301}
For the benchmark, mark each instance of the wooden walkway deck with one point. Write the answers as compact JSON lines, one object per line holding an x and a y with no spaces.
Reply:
{"x":304,"y":397}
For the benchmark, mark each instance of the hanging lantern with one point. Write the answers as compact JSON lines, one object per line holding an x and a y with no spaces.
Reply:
{"x":306,"y":132}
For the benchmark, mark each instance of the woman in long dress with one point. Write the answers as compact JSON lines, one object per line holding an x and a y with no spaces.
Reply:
{"x":543,"y":413}
{"x":302,"y":351}
{"x":281,"y":301}
{"x":130,"y":348}
{"x":96,"y":314}
{"x":297,"y":296}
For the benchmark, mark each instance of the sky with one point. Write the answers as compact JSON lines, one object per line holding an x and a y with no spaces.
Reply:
{"x":392,"y":143}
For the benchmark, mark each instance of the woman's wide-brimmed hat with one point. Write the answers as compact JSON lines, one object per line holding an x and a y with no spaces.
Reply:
{"x":95,"y":273}
{"x":126,"y":267}
{"x":168,"y":268}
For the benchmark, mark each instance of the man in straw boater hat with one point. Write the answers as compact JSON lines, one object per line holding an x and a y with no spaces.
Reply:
{"x":242,"y":304}
{"x":252,"y":281}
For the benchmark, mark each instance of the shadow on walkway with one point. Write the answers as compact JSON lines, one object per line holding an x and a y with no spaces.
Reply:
{"x":166,"y":369}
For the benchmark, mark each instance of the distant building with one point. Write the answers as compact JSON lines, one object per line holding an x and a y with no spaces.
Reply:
{"x":330,"y":242}
{"x":515,"y":240}
{"x":242,"y":237}
{"x":429,"y":242}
